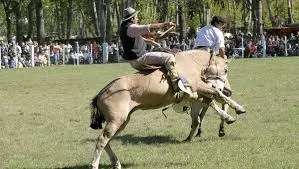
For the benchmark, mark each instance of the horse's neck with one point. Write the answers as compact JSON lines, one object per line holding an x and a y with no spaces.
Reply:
{"x":194,"y":57}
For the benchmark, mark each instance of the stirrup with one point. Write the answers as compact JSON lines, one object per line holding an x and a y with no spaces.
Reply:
{"x":185,"y":87}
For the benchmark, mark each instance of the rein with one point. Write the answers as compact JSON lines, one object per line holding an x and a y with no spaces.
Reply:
{"x":206,"y":78}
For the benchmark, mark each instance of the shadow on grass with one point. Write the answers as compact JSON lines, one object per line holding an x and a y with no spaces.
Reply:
{"x":102,"y":166}
{"x":216,"y":139}
{"x":131,"y":139}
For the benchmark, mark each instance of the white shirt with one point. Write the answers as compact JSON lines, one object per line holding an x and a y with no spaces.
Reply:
{"x":210,"y":36}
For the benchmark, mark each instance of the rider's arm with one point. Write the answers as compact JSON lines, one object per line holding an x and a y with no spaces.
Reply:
{"x":152,"y":42}
{"x":222,"y":53}
{"x":156,"y":26}
{"x":136,"y":30}
{"x":221,"y":45}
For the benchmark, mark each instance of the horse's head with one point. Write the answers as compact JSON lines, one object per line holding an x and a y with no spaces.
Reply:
{"x":215,"y":74}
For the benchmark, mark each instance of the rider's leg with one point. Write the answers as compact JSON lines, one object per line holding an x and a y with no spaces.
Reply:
{"x":168,"y":60}
{"x":174,"y":78}
{"x":173,"y":74}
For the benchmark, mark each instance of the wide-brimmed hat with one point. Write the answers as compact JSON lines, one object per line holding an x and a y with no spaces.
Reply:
{"x":129,"y":13}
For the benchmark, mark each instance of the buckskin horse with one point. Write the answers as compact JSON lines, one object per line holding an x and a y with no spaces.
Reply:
{"x":144,"y":90}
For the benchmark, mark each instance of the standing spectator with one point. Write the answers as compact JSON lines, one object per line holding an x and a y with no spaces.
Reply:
{"x":95,"y":50}
{"x":56,"y":50}
{"x":250,"y":48}
{"x":68,"y":48}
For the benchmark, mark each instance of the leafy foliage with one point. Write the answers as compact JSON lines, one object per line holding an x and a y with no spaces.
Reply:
{"x":196,"y":12}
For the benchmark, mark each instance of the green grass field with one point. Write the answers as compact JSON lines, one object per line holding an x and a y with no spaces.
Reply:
{"x":44,"y":121}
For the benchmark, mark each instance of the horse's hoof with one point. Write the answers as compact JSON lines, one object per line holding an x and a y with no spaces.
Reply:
{"x":117,"y":165}
{"x":92,"y":167}
{"x":229,"y":120}
{"x":198,"y":134}
{"x":240,"y":111}
{"x":188,"y":139}
{"x":221,"y":134}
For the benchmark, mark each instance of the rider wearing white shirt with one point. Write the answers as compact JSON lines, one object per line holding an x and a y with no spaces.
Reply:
{"x":211,"y":37}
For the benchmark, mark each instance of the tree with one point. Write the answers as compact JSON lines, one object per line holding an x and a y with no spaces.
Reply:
{"x":69,"y":19}
{"x":30,"y":9}
{"x":180,"y":20}
{"x":9,"y":6}
{"x":290,"y":18}
{"x":40,"y":26}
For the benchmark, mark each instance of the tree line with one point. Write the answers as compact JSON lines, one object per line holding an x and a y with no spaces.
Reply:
{"x":65,"y":19}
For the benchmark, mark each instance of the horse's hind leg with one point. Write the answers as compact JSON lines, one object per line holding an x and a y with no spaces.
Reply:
{"x":221,"y":132}
{"x":197,"y":110}
{"x":205,"y":107}
{"x":113,"y":158}
{"x":108,"y":132}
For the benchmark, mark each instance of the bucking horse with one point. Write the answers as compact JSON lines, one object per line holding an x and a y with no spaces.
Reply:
{"x":151,"y":89}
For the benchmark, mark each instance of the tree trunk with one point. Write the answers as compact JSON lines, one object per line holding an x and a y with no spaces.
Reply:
{"x":290,"y":17}
{"x":8,"y":11}
{"x":18,"y":24}
{"x":62,"y":19}
{"x":181,"y":22}
{"x":117,"y":13}
{"x":30,"y":9}
{"x":247,"y":14}
{"x":254,"y":19}
{"x":40,"y":26}
{"x":69,"y":19}
{"x":81,"y":25}
{"x":96,"y":19}
{"x":271,"y":17}
{"x":234,"y":17}
{"x":108,"y":19}
{"x":260,"y":25}
{"x":102,"y":19}
{"x":130,"y":3}
{"x":57,"y":19}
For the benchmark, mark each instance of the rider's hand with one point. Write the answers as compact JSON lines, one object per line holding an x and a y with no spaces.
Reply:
{"x":168,"y":24}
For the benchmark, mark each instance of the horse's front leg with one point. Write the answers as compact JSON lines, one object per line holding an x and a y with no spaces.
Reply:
{"x":223,"y":115}
{"x":224,"y":99}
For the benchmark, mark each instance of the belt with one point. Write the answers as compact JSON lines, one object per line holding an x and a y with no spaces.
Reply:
{"x":200,"y":47}
{"x":206,"y":48}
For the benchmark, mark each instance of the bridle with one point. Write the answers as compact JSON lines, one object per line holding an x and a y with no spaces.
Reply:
{"x":208,"y":78}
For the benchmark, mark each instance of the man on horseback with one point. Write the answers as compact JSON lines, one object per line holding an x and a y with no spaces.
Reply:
{"x":134,"y":45}
{"x":211,"y":37}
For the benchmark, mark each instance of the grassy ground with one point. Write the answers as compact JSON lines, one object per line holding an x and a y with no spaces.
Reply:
{"x":44,"y":121}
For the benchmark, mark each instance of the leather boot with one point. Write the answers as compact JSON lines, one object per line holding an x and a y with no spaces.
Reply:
{"x":174,"y":78}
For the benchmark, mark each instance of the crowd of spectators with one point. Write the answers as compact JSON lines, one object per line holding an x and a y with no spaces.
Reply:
{"x":14,"y":55}
{"x":274,"y":45}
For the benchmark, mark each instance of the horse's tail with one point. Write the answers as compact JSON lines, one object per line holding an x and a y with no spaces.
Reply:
{"x":96,"y":118}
